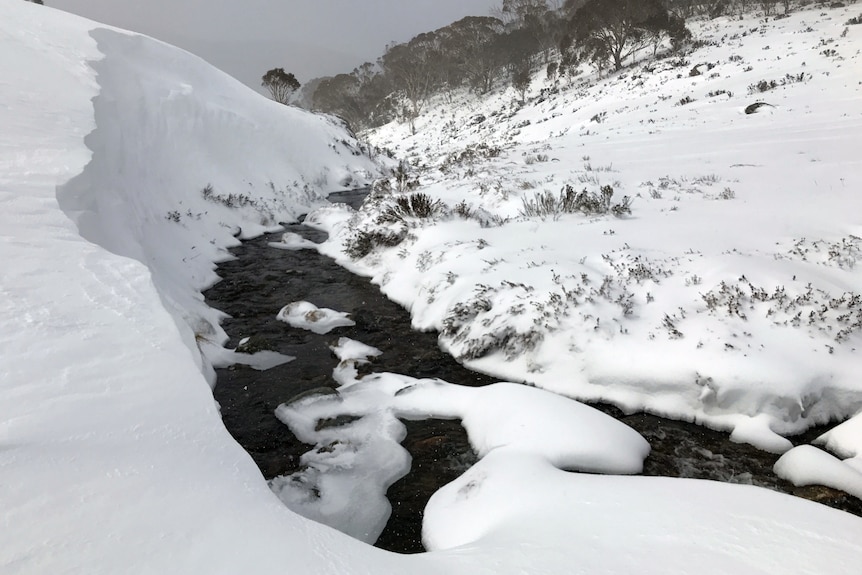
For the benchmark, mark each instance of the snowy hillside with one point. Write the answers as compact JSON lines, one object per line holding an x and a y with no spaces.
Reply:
{"x":126,"y":168}
{"x":730,"y":295}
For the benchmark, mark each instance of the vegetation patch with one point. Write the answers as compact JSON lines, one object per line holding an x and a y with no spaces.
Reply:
{"x":411,"y":206}
{"x":545,"y":204}
{"x":767,"y":85}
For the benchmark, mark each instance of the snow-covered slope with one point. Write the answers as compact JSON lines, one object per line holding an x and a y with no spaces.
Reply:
{"x":113,"y":458}
{"x":730,"y":296}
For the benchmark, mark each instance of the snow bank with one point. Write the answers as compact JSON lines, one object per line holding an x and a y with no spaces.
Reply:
{"x":600,"y":524}
{"x":184,"y":158}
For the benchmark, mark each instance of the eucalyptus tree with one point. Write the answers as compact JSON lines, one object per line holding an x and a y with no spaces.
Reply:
{"x":613,"y":30}
{"x":468,"y":49}
{"x":280,"y":84}
{"x":415,"y":70}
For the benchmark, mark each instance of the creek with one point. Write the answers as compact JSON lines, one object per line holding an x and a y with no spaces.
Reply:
{"x":261,"y":280}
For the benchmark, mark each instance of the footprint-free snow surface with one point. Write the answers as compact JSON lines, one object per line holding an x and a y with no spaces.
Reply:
{"x":128,"y":166}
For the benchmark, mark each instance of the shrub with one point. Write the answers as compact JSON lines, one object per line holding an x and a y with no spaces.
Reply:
{"x":569,"y":201}
{"x":765,"y":86}
{"x":403,"y":181}
{"x":360,"y":244}
{"x":716,"y":93}
{"x":417,"y":205}
{"x":726,"y":194}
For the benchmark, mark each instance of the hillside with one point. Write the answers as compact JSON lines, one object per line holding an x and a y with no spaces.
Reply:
{"x":729,"y":295}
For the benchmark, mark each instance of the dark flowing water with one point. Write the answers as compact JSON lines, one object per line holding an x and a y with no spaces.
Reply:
{"x":261,"y":280}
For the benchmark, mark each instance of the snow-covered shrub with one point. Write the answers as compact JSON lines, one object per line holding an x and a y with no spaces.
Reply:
{"x":483,"y":324}
{"x":469,"y":156}
{"x":485,"y":218}
{"x":364,"y":241}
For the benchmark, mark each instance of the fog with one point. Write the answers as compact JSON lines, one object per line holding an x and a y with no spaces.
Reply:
{"x":307,"y":37}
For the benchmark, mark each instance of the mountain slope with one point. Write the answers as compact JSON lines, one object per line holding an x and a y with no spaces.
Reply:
{"x":729,"y":296}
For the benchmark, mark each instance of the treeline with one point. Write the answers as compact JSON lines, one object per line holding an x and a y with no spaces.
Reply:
{"x":479,"y":52}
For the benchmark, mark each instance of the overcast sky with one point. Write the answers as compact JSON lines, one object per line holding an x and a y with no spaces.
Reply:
{"x":307,"y":37}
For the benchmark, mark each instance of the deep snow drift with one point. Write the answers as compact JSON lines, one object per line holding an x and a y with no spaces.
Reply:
{"x":113,"y":455}
{"x":730,"y":296}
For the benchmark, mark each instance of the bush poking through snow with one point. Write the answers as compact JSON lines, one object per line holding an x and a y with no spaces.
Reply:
{"x":544,"y":205}
{"x":765,"y":86}
{"x":411,"y":206}
{"x":403,"y":180}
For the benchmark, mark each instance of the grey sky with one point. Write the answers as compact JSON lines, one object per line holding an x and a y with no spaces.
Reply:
{"x":307,"y":37}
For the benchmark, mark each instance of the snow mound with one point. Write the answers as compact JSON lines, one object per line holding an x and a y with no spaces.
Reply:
{"x":351,"y":354}
{"x":807,"y":465}
{"x":356,"y":432}
{"x":293,"y":242}
{"x":305,"y":315}
{"x":628,"y":522}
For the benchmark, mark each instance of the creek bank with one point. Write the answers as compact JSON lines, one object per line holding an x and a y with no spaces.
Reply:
{"x":261,"y":280}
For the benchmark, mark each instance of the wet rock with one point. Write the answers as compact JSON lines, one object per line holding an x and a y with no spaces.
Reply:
{"x":254,"y":344}
{"x":337,"y":421}
{"x":316,"y":392}
{"x":757,"y":107}
{"x":829,"y":496}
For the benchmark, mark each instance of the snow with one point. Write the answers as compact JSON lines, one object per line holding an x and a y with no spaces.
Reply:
{"x":306,"y":315}
{"x":351,"y":354}
{"x":261,"y":360}
{"x":293,"y":242}
{"x":625,"y":522}
{"x":349,"y":349}
{"x":356,"y":432}
{"x":126,"y":169}
{"x":729,"y":297}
